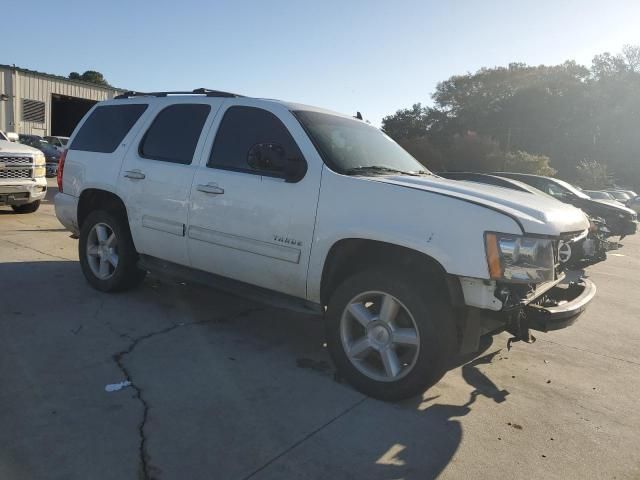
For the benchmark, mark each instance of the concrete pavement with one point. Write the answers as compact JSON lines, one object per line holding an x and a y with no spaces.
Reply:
{"x":223,"y":388}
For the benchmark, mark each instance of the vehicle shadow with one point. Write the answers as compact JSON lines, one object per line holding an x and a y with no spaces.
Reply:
{"x":425,"y":455}
{"x":416,"y":438}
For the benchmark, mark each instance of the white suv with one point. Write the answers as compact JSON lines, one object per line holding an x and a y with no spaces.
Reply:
{"x":312,"y":210}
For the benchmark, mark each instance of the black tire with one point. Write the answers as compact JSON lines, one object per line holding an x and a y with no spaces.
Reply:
{"x":27,"y":208}
{"x":127,"y":274}
{"x":434,"y":321}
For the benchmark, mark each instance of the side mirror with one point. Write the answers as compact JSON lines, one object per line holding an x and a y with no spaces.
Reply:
{"x":271,"y":158}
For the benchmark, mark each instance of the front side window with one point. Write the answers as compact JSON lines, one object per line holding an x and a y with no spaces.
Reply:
{"x":106,"y":127}
{"x":174,"y":133}
{"x":351,"y":146}
{"x":253,"y":140}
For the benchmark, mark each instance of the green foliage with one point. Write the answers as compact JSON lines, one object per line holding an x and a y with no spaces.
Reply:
{"x":562,"y":113}
{"x":593,"y":175}
{"x":89,"y":76}
{"x":525,"y":162}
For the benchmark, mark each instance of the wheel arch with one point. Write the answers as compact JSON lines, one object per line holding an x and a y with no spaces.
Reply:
{"x":350,"y":255}
{"x":99,"y":199}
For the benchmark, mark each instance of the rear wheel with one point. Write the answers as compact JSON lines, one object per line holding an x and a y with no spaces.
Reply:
{"x":390,"y":334}
{"x":107,"y":255}
{"x":27,"y":208}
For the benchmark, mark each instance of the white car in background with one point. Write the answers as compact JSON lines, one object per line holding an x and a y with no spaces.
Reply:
{"x":22,"y":177}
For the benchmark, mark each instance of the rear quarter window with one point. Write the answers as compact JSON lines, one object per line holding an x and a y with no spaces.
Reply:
{"x":106,"y":127}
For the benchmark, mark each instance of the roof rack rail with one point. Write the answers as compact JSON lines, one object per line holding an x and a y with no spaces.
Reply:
{"x":196,"y":91}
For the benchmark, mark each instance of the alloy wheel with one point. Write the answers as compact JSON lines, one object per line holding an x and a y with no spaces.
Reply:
{"x":379,"y":336}
{"x":102,"y":251}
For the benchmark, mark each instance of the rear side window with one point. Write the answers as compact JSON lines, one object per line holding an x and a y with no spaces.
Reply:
{"x":174,"y":134}
{"x":106,"y":127}
{"x":242,"y":128}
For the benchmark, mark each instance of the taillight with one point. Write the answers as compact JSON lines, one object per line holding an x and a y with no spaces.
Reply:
{"x":60,"y":169}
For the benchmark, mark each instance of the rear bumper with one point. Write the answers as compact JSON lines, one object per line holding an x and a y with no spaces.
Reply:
{"x":561,"y":306}
{"x":67,"y":211}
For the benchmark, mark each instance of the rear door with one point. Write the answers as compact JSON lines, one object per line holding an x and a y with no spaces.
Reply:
{"x":157,"y":173}
{"x":248,"y":223}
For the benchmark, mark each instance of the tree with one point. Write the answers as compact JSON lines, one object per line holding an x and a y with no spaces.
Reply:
{"x":90,"y":76}
{"x":567,"y":113}
{"x":408,"y":123}
{"x":524,"y":162}
{"x":593,"y":175}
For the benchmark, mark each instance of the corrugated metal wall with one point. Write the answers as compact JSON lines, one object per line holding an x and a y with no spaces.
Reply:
{"x":19,"y":85}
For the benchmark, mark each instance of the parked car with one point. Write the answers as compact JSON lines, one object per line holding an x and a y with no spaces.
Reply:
{"x":59,"y":142}
{"x":316,"y":211}
{"x":581,"y":252}
{"x":51,"y":153}
{"x":603,"y":196}
{"x":8,"y":136}
{"x":22,"y":172}
{"x":621,"y":221}
{"x":619,"y":195}
{"x":634,"y":204}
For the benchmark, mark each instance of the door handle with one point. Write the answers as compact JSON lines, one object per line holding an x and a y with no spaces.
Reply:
{"x":134,"y":174}
{"x":211,"y":189}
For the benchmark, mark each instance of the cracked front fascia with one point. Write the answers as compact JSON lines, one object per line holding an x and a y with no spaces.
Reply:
{"x":480,"y":293}
{"x":145,"y":465}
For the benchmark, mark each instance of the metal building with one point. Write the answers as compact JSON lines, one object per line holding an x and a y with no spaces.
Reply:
{"x":42,"y":104}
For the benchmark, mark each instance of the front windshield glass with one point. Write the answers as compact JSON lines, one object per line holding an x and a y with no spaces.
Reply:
{"x":567,"y":186}
{"x":600,"y":196}
{"x":619,"y":195}
{"x":351,"y":146}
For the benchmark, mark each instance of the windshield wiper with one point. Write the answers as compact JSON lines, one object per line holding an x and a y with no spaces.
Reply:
{"x":379,"y":169}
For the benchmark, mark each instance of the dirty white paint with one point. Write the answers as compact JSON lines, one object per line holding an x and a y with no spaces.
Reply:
{"x":114,"y":387}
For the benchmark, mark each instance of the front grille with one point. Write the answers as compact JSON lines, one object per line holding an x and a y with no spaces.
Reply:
{"x":15,"y":173}
{"x":12,"y":167}
{"x":9,"y":161}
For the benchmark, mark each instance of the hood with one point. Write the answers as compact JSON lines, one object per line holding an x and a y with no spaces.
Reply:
{"x":536,"y":214}
{"x":7,"y":148}
{"x":614,"y":205}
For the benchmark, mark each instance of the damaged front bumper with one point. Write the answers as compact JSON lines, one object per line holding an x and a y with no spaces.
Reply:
{"x":561,"y":306}
{"x":549,"y":307}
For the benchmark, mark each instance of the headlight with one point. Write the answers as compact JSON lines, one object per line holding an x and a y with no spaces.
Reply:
{"x":514,"y":258}
{"x":39,"y":162}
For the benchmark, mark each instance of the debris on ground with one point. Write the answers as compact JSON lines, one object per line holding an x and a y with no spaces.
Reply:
{"x":114,"y":387}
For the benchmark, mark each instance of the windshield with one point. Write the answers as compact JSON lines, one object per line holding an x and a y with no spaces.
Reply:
{"x":619,"y":195}
{"x":351,"y":146}
{"x":600,"y":195}
{"x":561,"y":184}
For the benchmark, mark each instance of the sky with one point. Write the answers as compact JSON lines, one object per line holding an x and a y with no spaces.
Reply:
{"x":347,"y":55}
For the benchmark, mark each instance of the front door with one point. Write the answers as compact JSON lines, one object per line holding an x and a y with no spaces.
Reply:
{"x":156,"y":177}
{"x":246,"y":222}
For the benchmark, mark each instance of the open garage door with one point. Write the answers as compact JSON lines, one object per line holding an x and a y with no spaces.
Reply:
{"x":66,"y":112}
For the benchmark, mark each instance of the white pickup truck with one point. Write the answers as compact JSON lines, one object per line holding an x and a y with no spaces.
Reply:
{"x":309,"y":209}
{"x":22,"y":177}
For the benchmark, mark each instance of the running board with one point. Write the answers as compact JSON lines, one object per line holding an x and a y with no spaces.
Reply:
{"x":173,"y":271}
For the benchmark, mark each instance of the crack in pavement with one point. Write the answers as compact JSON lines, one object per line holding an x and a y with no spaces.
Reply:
{"x":145,"y":465}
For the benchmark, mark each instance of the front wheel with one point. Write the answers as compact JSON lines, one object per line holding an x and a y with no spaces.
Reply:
{"x":107,"y":255}
{"x":390,"y":334}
